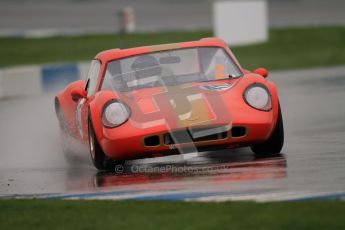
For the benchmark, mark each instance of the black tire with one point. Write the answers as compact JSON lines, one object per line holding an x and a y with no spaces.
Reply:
{"x":99,"y":159}
{"x":275,"y":143}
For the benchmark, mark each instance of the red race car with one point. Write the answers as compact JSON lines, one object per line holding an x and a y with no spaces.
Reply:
{"x":169,"y":99}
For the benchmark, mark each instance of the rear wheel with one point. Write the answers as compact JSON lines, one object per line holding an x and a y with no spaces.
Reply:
{"x":275,"y":143}
{"x":99,"y":159}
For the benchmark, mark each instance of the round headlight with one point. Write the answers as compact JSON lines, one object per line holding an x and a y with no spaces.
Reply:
{"x":114,"y":114}
{"x":257,"y":96}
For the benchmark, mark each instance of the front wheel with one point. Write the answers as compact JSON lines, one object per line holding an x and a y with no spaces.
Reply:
{"x":99,"y":159}
{"x":275,"y":143}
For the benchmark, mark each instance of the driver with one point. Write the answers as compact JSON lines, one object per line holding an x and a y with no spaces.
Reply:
{"x":147,"y":71}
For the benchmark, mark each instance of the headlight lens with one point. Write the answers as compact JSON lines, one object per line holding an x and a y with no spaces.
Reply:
{"x":114,"y":114}
{"x":257,"y":96}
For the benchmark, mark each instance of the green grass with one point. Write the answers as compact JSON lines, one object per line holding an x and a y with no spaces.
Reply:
{"x":53,"y":214}
{"x":286,"y":48}
{"x":15,"y":51}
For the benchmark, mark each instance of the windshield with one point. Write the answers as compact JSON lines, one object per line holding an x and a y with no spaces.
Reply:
{"x":170,"y":67}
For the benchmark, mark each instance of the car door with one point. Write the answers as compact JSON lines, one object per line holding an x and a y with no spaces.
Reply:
{"x":83,"y":104}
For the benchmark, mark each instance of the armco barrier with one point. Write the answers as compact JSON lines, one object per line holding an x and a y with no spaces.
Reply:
{"x":56,"y":77}
{"x":33,"y":80}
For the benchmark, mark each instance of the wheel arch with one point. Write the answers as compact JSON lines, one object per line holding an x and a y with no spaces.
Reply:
{"x":95,"y":119}
{"x":57,"y":106}
{"x":275,"y":101}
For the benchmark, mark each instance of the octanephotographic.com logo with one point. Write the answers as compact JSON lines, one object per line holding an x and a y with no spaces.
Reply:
{"x":178,"y":169}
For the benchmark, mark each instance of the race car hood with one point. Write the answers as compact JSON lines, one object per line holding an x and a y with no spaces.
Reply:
{"x":181,"y":106}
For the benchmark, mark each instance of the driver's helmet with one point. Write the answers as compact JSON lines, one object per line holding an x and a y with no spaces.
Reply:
{"x":146,"y":66}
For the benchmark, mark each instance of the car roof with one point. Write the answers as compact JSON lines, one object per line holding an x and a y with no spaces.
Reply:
{"x":113,"y":54}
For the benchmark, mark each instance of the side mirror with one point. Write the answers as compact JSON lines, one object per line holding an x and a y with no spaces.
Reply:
{"x":78,"y":93}
{"x":261,"y":71}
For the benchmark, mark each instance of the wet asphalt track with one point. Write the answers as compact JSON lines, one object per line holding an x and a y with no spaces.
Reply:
{"x":312,"y":163}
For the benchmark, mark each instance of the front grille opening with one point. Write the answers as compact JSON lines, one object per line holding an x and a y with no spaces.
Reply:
{"x":184,"y":136}
{"x":238,"y":131}
{"x":211,"y":137}
{"x":151,"y":141}
{"x":175,"y":137}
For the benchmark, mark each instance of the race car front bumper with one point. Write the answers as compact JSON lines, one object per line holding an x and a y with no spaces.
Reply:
{"x":130,"y":142}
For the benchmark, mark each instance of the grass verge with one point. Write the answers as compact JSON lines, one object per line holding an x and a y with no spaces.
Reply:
{"x":54,"y":214}
{"x":286,"y":48}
